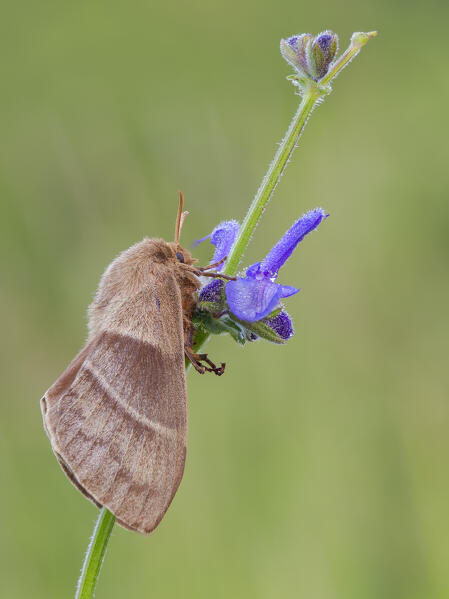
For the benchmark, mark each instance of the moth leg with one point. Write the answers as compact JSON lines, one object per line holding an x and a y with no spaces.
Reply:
{"x":196,"y":360}
{"x":218,"y":370}
{"x":215,"y":275}
{"x":192,"y":357}
{"x":214,"y":265}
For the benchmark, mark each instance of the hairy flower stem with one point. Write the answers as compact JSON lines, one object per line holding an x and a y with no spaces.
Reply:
{"x":95,"y":554}
{"x":271,"y":179}
{"x":311,"y":96}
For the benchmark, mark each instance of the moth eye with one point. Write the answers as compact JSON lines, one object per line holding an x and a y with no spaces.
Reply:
{"x":180,"y":257}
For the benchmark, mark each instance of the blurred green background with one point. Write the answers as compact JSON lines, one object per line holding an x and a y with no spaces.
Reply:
{"x":318,"y":469}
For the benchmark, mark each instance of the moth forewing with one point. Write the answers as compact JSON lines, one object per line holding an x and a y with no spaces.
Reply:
{"x":117,"y":417}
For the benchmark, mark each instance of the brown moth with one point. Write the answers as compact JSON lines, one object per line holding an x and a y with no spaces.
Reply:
{"x":117,"y":417}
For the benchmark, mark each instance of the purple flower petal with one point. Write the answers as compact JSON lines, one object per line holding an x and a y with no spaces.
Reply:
{"x":293,"y":41}
{"x":253,"y":270}
{"x":222,"y":237}
{"x":324,"y":40}
{"x":198,"y":241}
{"x":284,"y":248}
{"x":281,"y":324}
{"x":288,"y":290}
{"x":251,"y":299}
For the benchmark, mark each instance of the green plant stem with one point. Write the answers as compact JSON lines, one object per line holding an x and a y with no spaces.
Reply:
{"x":95,"y":555}
{"x":271,"y":179}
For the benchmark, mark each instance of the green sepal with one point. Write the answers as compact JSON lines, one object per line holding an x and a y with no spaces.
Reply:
{"x":319,"y":59}
{"x":261,"y":329}
{"x":311,"y":66}
{"x":289,"y":54}
{"x":275,"y":312}
{"x":211,"y":307}
{"x":298,"y":81}
{"x":240,"y":330}
{"x":219,"y":326}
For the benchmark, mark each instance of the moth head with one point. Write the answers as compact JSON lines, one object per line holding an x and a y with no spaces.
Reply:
{"x":180,"y":255}
{"x":160,"y":251}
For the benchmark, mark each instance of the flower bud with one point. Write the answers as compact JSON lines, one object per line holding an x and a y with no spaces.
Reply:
{"x":360,"y":38}
{"x":321,"y":53}
{"x":310,"y":55}
{"x":281,"y":324}
{"x":211,"y":297}
{"x":294,"y":50}
{"x":277,"y":328}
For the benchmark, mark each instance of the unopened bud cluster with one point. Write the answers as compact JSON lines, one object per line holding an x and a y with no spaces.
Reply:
{"x":310,"y":55}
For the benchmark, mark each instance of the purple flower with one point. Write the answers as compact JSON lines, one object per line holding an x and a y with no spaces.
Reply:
{"x":253,"y":297}
{"x":222,"y":237}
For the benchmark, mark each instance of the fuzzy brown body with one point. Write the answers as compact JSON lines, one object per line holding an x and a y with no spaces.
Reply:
{"x":117,"y":417}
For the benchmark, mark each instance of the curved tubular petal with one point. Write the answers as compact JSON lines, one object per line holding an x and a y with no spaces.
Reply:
{"x":285,"y":246}
{"x":198,"y":241}
{"x":222,"y":237}
{"x":288,"y":290}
